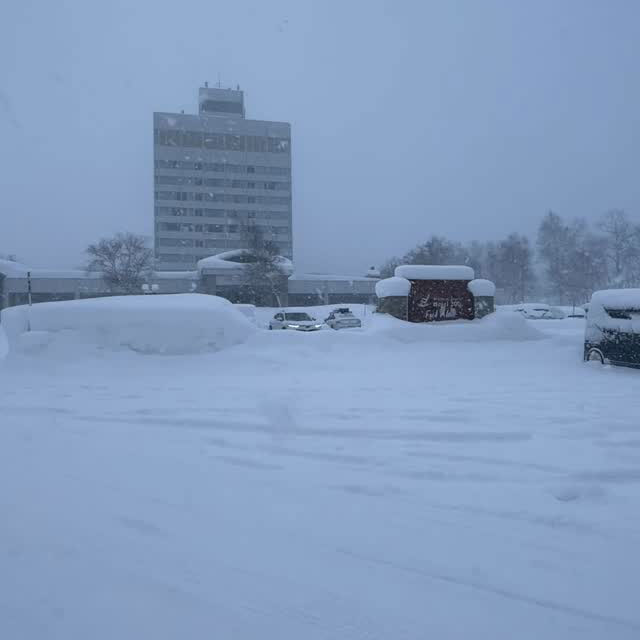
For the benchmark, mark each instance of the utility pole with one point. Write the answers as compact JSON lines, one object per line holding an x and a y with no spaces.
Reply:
{"x":29,"y":299}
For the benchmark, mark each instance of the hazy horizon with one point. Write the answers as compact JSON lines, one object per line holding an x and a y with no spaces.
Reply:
{"x":464,"y":119}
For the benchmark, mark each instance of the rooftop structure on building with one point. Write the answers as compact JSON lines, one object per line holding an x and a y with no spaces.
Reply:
{"x":221,"y":181}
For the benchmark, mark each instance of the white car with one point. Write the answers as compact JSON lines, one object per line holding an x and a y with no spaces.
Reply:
{"x":294,"y":320}
{"x":342,"y":318}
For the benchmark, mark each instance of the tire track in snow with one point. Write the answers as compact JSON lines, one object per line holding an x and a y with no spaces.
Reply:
{"x":502,"y":592}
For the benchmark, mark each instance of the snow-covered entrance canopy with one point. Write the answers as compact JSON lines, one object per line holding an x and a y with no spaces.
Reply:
{"x":482,"y":288}
{"x":393,"y":287}
{"x":236,"y":259}
{"x":434,"y":272}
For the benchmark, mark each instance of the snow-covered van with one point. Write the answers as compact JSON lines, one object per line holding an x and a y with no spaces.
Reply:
{"x":612,"y":333}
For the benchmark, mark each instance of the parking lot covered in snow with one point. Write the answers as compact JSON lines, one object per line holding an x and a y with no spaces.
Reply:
{"x":398,"y":481}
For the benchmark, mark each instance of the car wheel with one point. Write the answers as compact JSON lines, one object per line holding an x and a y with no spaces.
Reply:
{"x":270,"y":328}
{"x":595,"y":355}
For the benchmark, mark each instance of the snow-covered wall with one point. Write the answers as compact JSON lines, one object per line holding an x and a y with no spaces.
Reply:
{"x":434,"y":272}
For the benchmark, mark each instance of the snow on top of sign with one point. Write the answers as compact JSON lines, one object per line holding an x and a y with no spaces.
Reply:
{"x":616,"y":299}
{"x":390,"y":287}
{"x":480,"y":288}
{"x":434,"y":272}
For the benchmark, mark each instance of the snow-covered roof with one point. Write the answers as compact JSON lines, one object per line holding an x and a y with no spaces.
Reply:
{"x":175,"y":275}
{"x":13,"y":269}
{"x":17,"y":270}
{"x":394,"y":286}
{"x":434,"y":272}
{"x":480,"y":288}
{"x":328,"y":277}
{"x":616,"y":299}
{"x":225,"y":260}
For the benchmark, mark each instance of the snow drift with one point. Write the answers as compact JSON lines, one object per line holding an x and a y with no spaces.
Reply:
{"x":495,"y":326}
{"x":4,"y":345}
{"x":169,"y":324}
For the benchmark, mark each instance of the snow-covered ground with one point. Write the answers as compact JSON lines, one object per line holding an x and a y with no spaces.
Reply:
{"x":474,"y":480}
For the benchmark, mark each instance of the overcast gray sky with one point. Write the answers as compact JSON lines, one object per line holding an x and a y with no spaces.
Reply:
{"x":463,"y":118}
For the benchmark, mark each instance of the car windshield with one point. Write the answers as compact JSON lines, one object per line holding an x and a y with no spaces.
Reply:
{"x":297,"y":317}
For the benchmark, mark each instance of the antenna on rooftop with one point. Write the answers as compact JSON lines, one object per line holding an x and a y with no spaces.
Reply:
{"x":206,"y":85}
{"x":218,"y":80}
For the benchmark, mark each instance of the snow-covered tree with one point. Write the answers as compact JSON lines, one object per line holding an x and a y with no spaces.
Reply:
{"x":509,"y":264}
{"x":265,"y":279}
{"x":617,"y":228}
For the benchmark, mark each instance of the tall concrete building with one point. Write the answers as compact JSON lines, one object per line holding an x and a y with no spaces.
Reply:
{"x":218,"y":179}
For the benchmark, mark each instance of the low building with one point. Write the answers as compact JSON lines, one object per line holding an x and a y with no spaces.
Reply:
{"x":308,"y":289}
{"x":222,"y":275}
{"x":48,"y":285}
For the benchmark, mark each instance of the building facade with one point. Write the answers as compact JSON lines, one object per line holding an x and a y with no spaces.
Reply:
{"x":219,"y":180}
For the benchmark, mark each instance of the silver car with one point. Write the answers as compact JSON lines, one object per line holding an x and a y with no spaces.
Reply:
{"x":342,"y":319}
{"x":294,"y":320}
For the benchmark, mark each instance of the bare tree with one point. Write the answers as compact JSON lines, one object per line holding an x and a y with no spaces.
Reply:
{"x":619,"y":232}
{"x":124,"y":261}
{"x":554,"y":241}
{"x":587,"y":259}
{"x":510,"y":266}
{"x":389,"y":267}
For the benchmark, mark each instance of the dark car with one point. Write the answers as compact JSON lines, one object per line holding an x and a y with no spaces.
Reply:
{"x":612,"y":333}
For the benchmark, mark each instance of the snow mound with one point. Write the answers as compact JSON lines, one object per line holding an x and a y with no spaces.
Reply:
{"x":390,"y":287}
{"x":482,"y":288}
{"x":163,"y":324}
{"x":4,"y":345}
{"x":495,"y":326}
{"x":434,"y":272}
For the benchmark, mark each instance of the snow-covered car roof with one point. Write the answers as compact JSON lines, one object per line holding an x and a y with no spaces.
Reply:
{"x":616,"y":299}
{"x":533,"y":306}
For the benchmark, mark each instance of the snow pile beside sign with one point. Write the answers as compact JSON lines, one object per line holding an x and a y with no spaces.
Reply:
{"x":496,"y":326}
{"x":169,"y":324}
{"x":393,"y":287}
